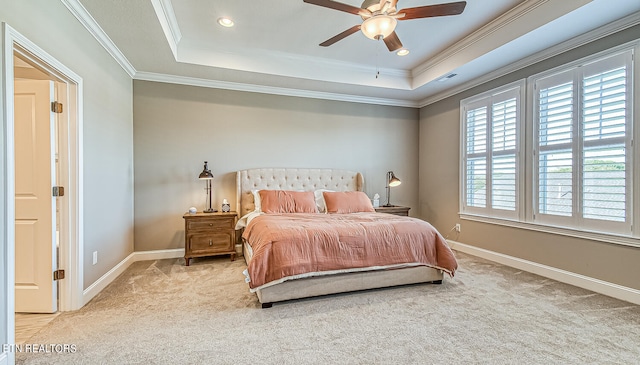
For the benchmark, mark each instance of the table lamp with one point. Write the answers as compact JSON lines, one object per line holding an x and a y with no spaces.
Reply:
{"x":392,"y":180}
{"x":208,"y":176}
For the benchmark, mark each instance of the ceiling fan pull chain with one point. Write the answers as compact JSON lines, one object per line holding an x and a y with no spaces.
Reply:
{"x":377,"y":61}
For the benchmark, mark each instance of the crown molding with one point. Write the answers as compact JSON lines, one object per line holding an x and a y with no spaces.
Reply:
{"x":316,"y":62}
{"x":169,"y":23}
{"x":523,"y":19}
{"x":290,"y":65}
{"x":81,"y":13}
{"x":173,"y":34}
{"x":611,"y":28}
{"x":484,"y":32}
{"x":235,"y":86}
{"x":201,"y":54}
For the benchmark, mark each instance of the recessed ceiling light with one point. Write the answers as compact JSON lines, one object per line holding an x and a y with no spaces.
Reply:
{"x":225,"y":22}
{"x":403,"y":52}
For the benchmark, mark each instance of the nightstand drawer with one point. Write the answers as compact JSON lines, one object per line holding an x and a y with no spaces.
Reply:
{"x":211,"y":242}
{"x":394,"y":209}
{"x":208,"y":224}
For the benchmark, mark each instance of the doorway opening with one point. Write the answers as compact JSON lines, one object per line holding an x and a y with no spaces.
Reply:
{"x":37,"y":119}
{"x":25,"y":60}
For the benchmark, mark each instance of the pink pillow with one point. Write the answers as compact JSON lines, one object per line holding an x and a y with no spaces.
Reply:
{"x":347,"y":202}
{"x":285,"y":201}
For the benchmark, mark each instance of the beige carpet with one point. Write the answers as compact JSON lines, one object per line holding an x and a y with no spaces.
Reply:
{"x":162,"y":312}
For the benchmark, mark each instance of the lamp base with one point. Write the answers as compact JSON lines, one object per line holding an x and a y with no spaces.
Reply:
{"x":388,"y":205}
{"x":209,"y":211}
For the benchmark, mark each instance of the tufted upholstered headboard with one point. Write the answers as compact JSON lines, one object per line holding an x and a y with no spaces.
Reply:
{"x":292,"y":179}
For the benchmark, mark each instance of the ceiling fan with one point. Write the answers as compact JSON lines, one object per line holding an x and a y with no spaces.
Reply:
{"x":381,"y":16}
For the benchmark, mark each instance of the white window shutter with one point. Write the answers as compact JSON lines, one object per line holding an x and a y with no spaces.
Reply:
{"x":604,"y":117}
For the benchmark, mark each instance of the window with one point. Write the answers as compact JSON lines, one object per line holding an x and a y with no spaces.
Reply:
{"x":582,"y":141}
{"x":490,"y":140}
{"x":577,"y":149}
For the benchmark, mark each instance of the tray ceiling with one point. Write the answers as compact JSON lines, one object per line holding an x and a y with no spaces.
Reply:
{"x":273,"y":46}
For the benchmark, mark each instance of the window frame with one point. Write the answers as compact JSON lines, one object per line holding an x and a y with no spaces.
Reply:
{"x":575,"y":72}
{"x":488,"y":99}
{"x":630,"y":236}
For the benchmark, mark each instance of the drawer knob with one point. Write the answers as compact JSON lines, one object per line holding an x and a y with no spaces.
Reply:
{"x":210,"y":224}
{"x":210,"y":243}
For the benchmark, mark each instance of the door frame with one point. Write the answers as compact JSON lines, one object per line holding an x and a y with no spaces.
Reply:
{"x":71,"y":160}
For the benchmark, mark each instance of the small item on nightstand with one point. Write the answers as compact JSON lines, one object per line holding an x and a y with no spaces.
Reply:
{"x":193,"y":210}
{"x":225,"y":206}
{"x":376,"y":200}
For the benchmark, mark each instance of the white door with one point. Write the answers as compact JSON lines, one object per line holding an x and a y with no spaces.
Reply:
{"x":35,"y":247}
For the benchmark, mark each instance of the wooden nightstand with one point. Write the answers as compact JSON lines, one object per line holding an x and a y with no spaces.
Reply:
{"x":209,"y":234}
{"x":395,"y":209}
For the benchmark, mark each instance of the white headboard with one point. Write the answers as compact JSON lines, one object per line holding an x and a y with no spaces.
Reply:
{"x":292,"y":179}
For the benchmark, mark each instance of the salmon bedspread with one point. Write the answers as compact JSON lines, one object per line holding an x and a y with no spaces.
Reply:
{"x":291,"y":246}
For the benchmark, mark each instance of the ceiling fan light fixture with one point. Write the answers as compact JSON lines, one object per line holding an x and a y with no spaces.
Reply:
{"x":379,"y":26}
{"x":225,"y":22}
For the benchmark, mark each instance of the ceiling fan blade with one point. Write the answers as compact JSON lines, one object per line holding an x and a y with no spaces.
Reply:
{"x":393,"y":42}
{"x":339,"y":6}
{"x":433,"y":10}
{"x":340,"y":36}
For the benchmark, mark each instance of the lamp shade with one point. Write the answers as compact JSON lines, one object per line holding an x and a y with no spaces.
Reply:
{"x":379,"y":26}
{"x":206,"y":173}
{"x":393,"y":180}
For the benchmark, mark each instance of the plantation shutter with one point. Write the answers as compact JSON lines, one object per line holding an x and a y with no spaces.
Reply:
{"x":476,"y":151}
{"x":582,"y":145}
{"x":490,"y":160}
{"x":555,"y":145}
{"x":503,"y":146}
{"x":604,"y":117}
{"x":569,"y":167}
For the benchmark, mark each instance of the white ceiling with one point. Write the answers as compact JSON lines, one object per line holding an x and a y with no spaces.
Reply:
{"x":273,"y":46}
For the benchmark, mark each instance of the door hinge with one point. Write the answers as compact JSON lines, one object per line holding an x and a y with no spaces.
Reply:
{"x":58,"y":191}
{"x":56,"y":107}
{"x":58,"y":274}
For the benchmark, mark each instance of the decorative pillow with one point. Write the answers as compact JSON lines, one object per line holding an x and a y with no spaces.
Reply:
{"x":287,"y":201}
{"x":347,"y":202}
{"x":256,"y":200}
{"x":322,"y":206}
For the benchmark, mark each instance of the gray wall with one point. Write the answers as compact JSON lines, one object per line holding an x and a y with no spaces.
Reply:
{"x":177,"y":127}
{"x":439,"y":189}
{"x":108,"y":127}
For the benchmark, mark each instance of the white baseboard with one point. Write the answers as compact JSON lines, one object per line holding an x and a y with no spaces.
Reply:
{"x":106,"y":279}
{"x":112,"y":274}
{"x":585,"y":282}
{"x":159,"y":254}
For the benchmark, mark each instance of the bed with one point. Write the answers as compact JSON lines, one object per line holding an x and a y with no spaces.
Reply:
{"x":328,"y":277}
